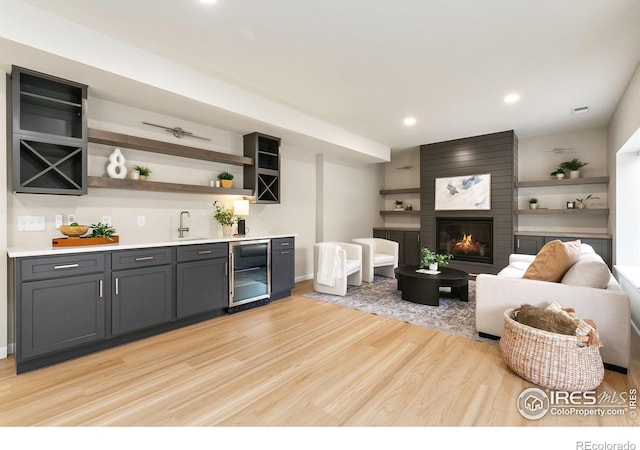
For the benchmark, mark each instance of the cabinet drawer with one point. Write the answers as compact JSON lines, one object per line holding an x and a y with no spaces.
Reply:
{"x":61,"y":266}
{"x":282,"y":244}
{"x":143,"y":257}
{"x":201,"y":251}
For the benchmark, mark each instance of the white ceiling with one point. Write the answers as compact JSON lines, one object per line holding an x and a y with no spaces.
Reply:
{"x":364,"y":65}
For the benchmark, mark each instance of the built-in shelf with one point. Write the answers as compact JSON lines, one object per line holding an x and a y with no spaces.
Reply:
{"x":563,"y":182}
{"x":577,"y":212}
{"x":411,"y":212}
{"x":400,"y":191}
{"x":116,"y":183}
{"x":165,"y":148}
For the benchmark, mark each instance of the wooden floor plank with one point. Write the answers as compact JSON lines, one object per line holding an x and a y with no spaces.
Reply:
{"x":294,"y":362}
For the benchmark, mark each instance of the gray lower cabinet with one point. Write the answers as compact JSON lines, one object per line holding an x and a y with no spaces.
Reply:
{"x":202,"y":279}
{"x":528,"y":245}
{"x":58,"y":314}
{"x":282,"y":267}
{"x":408,"y":241}
{"x":141,"y":298}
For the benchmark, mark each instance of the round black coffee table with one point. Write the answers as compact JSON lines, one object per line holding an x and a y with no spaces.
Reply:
{"x":424,"y":288}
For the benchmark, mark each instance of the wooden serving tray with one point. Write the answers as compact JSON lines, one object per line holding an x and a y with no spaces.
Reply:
{"x":73,"y":242}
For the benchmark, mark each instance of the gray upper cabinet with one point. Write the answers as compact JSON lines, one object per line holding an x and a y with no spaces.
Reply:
{"x":48,"y":123}
{"x":263,"y":177}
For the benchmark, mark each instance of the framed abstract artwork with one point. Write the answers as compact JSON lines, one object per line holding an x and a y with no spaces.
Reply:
{"x":463,"y":193}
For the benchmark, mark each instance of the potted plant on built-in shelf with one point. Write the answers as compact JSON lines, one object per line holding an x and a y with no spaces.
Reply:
{"x":226,"y":179}
{"x":580,"y":202}
{"x":533,"y":203}
{"x":430,"y":260}
{"x":142,"y":171}
{"x":574,"y":167}
{"x":560,"y":173}
{"x":225,"y":217}
{"x":399,"y":205}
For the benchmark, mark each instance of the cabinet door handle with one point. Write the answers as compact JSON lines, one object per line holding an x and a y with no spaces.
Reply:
{"x":99,"y":288}
{"x":284,"y":244}
{"x":144,"y":258}
{"x":117,"y":287}
{"x":517,"y":243}
{"x":66,"y":266}
{"x":418,"y":238}
{"x":204,"y":252}
{"x":226,"y":269}
{"x":285,"y":253}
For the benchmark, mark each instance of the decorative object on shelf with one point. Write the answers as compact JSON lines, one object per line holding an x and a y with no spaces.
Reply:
{"x":226,"y":179}
{"x":116,"y":167}
{"x":430,"y":260}
{"x":533,"y":203}
{"x":580,"y":202}
{"x":463,"y":193}
{"x":143,"y":172}
{"x":399,"y":205}
{"x":101,"y":230}
{"x":241,"y":209}
{"x":571,"y":205}
{"x":408,"y":207}
{"x":74,"y":231}
{"x":574,"y":167}
{"x":177,"y":131}
{"x":560,"y":173}
{"x":134,"y":175}
{"x":225,"y":217}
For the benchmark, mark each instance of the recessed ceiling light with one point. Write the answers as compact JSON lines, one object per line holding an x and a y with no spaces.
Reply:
{"x":580,"y":109}
{"x":511,"y":98}
{"x":409,"y":121}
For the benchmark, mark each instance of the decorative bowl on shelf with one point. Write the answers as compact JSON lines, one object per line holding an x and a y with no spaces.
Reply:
{"x":74,"y":231}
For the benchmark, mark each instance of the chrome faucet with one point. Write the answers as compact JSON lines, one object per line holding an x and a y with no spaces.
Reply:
{"x":182,"y":228}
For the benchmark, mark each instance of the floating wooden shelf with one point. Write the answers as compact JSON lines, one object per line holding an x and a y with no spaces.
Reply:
{"x":115,"y":183}
{"x":564,"y":182}
{"x":578,"y":212}
{"x":165,"y":148}
{"x":400,"y":191}
{"x":412,"y":212}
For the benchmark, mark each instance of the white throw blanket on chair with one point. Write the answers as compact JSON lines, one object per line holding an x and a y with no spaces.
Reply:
{"x":329,"y":265}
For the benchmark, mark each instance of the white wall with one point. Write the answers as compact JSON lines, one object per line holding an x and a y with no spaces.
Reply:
{"x":622,"y":140}
{"x":536,"y":160}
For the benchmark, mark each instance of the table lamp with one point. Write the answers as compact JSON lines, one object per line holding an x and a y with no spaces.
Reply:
{"x":241,"y":208}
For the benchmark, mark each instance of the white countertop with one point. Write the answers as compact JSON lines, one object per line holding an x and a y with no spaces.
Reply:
{"x":24,"y":252}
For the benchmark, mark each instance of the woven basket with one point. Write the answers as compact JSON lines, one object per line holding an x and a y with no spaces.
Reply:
{"x":550,"y":360}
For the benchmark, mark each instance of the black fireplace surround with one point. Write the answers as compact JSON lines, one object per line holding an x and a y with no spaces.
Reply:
{"x":467,"y":239}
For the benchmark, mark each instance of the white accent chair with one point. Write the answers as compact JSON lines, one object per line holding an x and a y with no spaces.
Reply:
{"x":349,"y":259}
{"x":379,"y":257}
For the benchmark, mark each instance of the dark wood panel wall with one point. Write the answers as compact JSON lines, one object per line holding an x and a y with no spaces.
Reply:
{"x":495,"y":153}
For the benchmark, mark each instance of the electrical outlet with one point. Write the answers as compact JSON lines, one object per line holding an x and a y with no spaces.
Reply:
{"x":58,"y":221}
{"x":141,"y":221}
{"x":72,"y":218}
{"x":31,"y":223}
{"x":106,"y":220}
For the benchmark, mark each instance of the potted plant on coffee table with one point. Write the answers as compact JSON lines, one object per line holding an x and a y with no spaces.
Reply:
{"x":431,"y":260}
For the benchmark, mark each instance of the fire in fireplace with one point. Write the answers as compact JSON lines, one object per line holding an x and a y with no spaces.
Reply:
{"x":467,"y":239}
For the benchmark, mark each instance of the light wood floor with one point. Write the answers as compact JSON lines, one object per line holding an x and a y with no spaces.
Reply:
{"x":294,"y":362}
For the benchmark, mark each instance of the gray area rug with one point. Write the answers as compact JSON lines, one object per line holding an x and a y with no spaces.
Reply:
{"x":382,"y":298}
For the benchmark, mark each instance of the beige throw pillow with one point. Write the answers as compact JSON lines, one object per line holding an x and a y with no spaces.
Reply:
{"x":553,"y":260}
{"x":593,"y":274}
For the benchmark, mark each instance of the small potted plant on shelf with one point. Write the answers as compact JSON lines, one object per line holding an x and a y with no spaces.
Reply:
{"x":399,"y":205}
{"x":226,"y":179}
{"x":225,"y":217}
{"x":573,"y":167}
{"x":533,"y":203}
{"x":430,"y":260}
{"x":580,"y":202}
{"x":560,"y":173}
{"x":142,"y":171}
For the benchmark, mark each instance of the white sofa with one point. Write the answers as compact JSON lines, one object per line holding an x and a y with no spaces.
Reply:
{"x":608,"y":308}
